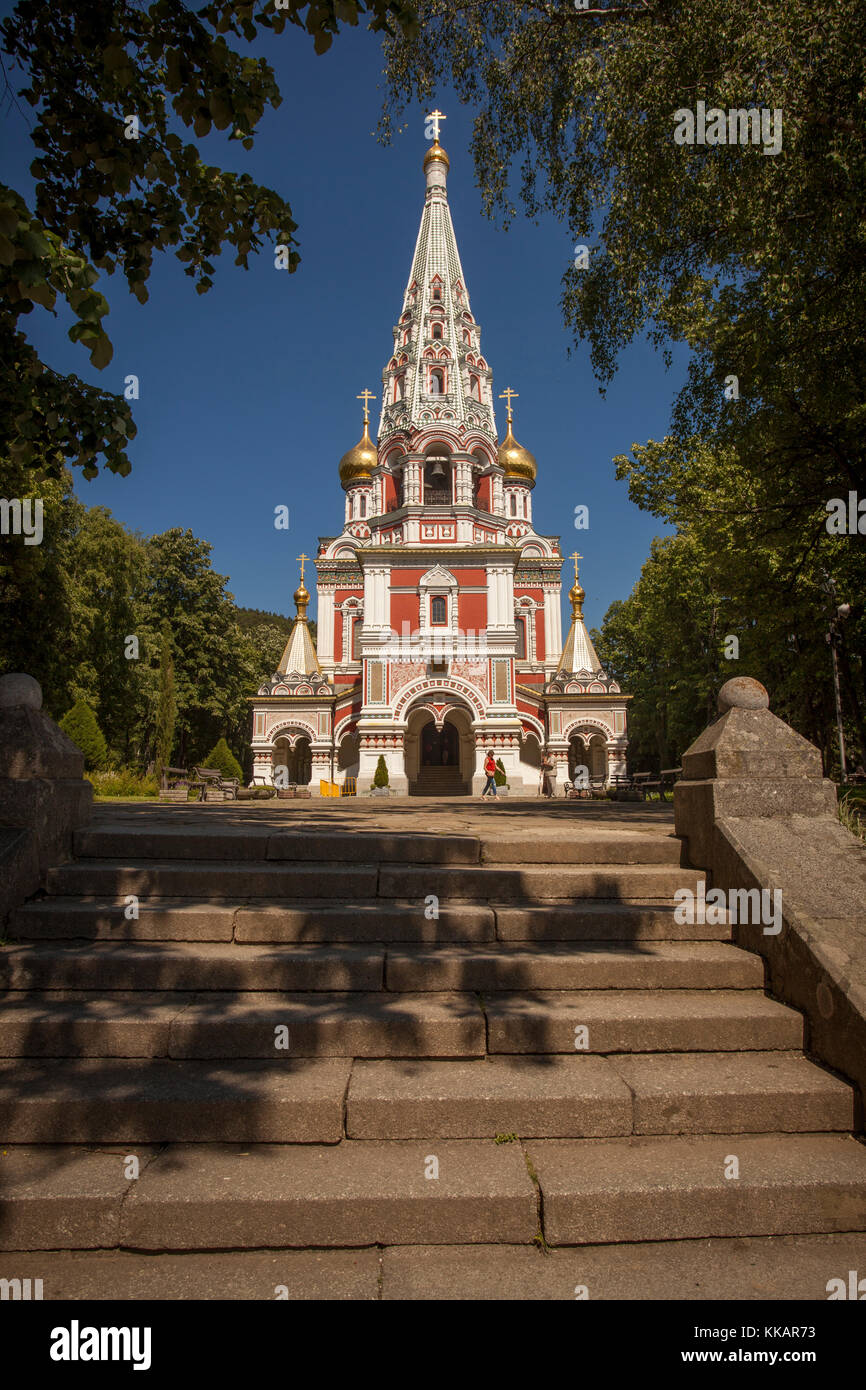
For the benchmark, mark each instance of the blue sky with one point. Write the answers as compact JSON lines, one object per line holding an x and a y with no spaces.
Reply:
{"x":248,"y":393}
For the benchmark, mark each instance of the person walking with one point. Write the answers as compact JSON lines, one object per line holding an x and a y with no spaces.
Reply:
{"x":490,"y":773}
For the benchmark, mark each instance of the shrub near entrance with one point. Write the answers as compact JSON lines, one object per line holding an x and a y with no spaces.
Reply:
{"x":380,"y":776}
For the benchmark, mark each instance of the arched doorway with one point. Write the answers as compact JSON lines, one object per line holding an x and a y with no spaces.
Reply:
{"x":587,"y":749}
{"x":440,"y":747}
{"x":294,"y":755}
{"x":440,"y":754}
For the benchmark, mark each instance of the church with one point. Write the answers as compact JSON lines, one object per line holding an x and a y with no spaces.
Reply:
{"x":439,"y":628}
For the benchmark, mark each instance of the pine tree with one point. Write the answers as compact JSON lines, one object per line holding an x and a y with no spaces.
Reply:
{"x":166,"y":709}
{"x":499,"y":774}
{"x":380,"y":777}
{"x":221,"y":756}
{"x":80,"y":724}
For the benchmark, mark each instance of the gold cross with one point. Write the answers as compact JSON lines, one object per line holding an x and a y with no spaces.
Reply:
{"x":366,"y":397}
{"x":436,"y":117}
{"x":575,"y":557}
{"x":302,"y":560}
{"x":511,"y":395}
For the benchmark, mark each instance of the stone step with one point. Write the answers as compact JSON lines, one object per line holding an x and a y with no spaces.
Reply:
{"x":99,"y":1101}
{"x":640,"y":1021}
{"x":583,"y":846}
{"x":539,"y":882}
{"x":293,"y":967}
{"x":218,"y":1196}
{"x":592,"y":965}
{"x":604,"y":1191}
{"x":583,"y":1097}
{"x":264,"y":843}
{"x":182,"y":919}
{"x":150,"y":1024}
{"x":777,"y":1268}
{"x":206,"y":879}
{"x":191,"y":966}
{"x":601,"y":921}
{"x":368,"y":1192}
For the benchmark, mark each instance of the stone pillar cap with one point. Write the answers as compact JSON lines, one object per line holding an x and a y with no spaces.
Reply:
{"x":742,"y":692}
{"x":18,"y":690}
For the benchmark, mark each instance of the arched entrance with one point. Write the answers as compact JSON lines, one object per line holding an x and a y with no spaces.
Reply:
{"x":440,"y":747}
{"x":587,"y":749}
{"x":439,"y":752}
{"x":294,"y":755}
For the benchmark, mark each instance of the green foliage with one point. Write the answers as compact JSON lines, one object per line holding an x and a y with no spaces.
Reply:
{"x":380,"y":777}
{"x":123,"y":781}
{"x":80,"y":725}
{"x":222,"y":757}
{"x":106,"y":202}
{"x":499,"y":775}
{"x":166,"y":709}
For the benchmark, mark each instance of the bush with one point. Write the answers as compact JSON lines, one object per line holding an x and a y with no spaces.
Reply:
{"x":122,"y":781}
{"x":222,"y":757}
{"x":80,"y":725}
{"x":380,"y":777}
{"x":499,"y":774}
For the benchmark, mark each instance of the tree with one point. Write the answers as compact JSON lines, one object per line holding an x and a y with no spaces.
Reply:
{"x":115,"y":183}
{"x":499,"y":775}
{"x":80,"y":725}
{"x":757,"y":262}
{"x":380,"y":776}
{"x":221,"y":756}
{"x":166,"y":710}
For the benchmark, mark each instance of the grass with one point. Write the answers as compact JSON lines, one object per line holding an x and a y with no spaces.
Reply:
{"x":851,"y":810}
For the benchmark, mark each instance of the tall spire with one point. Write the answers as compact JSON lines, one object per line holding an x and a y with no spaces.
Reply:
{"x":437,"y":373}
{"x":578,"y":654}
{"x":300,"y":654}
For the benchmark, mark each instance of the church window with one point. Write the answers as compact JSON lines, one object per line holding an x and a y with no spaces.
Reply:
{"x":437,"y":293}
{"x":437,"y":330}
{"x":399,"y":387}
{"x":520,"y":624}
{"x":513,"y":501}
{"x":475,"y":387}
{"x":437,"y":381}
{"x":438,"y":611}
{"x":407,"y":336}
{"x":363,"y":507}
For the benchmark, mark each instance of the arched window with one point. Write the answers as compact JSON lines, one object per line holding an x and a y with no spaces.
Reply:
{"x":437,"y":381}
{"x":438,"y":611}
{"x":437,"y":330}
{"x":399,"y":387}
{"x":437,"y":293}
{"x":475,"y":387}
{"x":520,"y":624}
{"x":467,"y":337}
{"x":407,"y":337}
{"x":363,"y":507}
{"x":513,"y":500}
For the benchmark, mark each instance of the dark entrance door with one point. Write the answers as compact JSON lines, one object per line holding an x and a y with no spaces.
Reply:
{"x":440,"y":747}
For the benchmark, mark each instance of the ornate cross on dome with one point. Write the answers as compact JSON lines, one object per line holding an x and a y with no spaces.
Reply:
{"x":366,"y":397}
{"x":302,"y":560}
{"x":509,"y":395}
{"x":433,"y":120}
{"x":575,"y":557}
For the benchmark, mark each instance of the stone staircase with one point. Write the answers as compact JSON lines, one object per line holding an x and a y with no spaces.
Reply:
{"x":439,"y":781}
{"x":363,"y":1063}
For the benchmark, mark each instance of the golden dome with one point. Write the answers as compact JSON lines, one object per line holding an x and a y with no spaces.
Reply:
{"x":517,"y":461}
{"x":436,"y":153}
{"x":302,"y":597}
{"x":355,"y":466}
{"x":577,"y":594}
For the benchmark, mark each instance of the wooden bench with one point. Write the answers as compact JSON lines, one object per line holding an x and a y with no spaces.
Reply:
{"x":215,"y":787}
{"x":174,"y":784}
{"x":645,"y":782}
{"x":671,"y":775}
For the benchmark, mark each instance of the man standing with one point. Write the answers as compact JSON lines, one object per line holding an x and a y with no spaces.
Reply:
{"x":548,"y":775}
{"x":490,"y":773}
